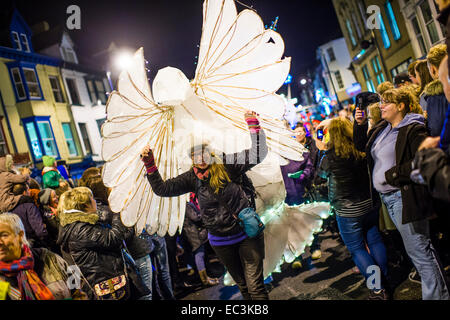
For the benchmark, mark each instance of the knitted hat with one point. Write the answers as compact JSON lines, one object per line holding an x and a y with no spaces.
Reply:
{"x":44,"y":196}
{"x":48,"y":161}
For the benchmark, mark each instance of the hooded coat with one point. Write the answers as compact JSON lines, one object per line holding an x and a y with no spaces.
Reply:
{"x":295,"y":187}
{"x":193,"y":229}
{"x":8,"y":200}
{"x":436,"y":107}
{"x":416,"y":199}
{"x":94,"y":248}
{"x":31,"y":217}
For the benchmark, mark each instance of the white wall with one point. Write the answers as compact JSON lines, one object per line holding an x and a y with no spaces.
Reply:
{"x":88,"y":113}
{"x":341,"y":63}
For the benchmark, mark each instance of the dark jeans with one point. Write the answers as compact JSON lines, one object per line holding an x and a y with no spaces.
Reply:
{"x":244,"y":262}
{"x":357,"y":231}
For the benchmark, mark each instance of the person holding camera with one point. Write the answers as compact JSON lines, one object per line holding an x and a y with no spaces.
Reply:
{"x":390,"y":147}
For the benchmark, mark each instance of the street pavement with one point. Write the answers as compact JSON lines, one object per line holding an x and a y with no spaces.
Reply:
{"x":332,"y":277}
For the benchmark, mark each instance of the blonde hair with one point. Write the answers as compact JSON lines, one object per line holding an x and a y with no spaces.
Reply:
{"x":384,"y":86}
{"x":437,"y":54}
{"x":15,"y":223}
{"x":76,"y":199}
{"x":218,"y":174}
{"x":341,"y":139}
{"x":375,"y":112}
{"x":403,"y":95}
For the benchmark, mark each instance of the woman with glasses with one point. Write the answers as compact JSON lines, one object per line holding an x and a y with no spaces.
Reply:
{"x":390,"y":147}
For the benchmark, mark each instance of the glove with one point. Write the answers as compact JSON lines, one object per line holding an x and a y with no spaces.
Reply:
{"x":149,"y":162}
{"x":295,"y":175}
{"x":252,"y":122}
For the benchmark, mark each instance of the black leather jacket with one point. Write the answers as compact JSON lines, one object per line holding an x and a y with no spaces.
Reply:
{"x":348,"y":179}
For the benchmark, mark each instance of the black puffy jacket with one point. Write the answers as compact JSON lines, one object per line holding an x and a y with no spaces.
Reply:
{"x":95,"y":248}
{"x":193,"y":229}
{"x":348,"y":179}
{"x":217,"y":218}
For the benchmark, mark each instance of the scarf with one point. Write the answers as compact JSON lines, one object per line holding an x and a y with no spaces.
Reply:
{"x":201,"y":174}
{"x":193,"y":199}
{"x":30,"y":286}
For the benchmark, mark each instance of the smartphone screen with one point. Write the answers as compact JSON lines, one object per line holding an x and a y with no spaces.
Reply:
{"x":320,"y":134}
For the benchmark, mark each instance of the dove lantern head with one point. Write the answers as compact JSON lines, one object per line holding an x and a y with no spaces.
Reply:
{"x":171,"y":87}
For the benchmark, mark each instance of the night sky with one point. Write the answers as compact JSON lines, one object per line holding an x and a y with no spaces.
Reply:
{"x":170,"y":31}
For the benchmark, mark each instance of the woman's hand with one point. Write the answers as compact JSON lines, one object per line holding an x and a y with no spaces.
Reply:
{"x":252,"y":121}
{"x":148,"y":159}
{"x":360,"y":116}
{"x":429,"y":143}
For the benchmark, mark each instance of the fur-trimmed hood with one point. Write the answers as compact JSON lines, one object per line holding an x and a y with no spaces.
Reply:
{"x":434,"y":88}
{"x":71,"y":216}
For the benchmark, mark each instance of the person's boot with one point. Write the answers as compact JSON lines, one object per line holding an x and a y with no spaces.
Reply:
{"x":207,"y":281}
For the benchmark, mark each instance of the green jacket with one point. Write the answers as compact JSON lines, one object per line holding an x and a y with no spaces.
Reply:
{"x":51,"y":179}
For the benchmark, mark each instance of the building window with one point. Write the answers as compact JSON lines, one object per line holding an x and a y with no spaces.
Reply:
{"x":384,"y":34}
{"x":25,"y":42}
{"x":355,"y":22}
{"x":392,"y":20}
{"x":377,"y":70}
{"x":18,"y":84}
{"x":73,"y":91}
{"x":32,"y":83}
{"x":350,"y":32}
{"x":16,"y":40}
{"x":85,"y":137}
{"x":57,"y":94}
{"x":369,"y":82}
{"x":338,"y":76}
{"x":419,"y":37}
{"x":362,"y":11}
{"x":3,"y":146}
{"x":101,"y":91}
{"x":100,"y":122}
{"x":429,"y":22}
{"x":331,"y":56}
{"x":402,"y":67}
{"x":92,"y":92}
{"x":40,"y":137}
{"x":69,"y":140}
{"x":69,"y":55}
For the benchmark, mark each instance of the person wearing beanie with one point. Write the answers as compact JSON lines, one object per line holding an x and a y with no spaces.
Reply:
{"x":51,"y":178}
{"x":48,"y":205}
{"x":402,"y":79}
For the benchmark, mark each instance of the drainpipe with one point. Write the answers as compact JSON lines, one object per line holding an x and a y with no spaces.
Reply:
{"x":8,"y":124}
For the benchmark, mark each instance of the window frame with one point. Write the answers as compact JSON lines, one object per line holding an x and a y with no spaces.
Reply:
{"x":58,"y":89}
{"x":87,"y":136}
{"x":383,"y":32}
{"x":368,"y":79}
{"x":3,"y":138}
{"x":37,"y":83}
{"x":72,"y":138}
{"x":348,"y":25}
{"x":23,"y":37}
{"x":34,"y":120}
{"x":16,"y":41}
{"x":392,"y":20}
{"x":378,"y":72}
{"x":16,"y":91}
{"x":68,"y":79}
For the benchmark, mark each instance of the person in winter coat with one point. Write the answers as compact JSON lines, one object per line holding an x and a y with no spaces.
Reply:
{"x":220,"y":198}
{"x":35,"y":228}
{"x":93,"y":247}
{"x":390,"y":147}
{"x":196,"y":234}
{"x":434,"y":92}
{"x":51,"y":178}
{"x":48,"y":206}
{"x":357,"y":212}
{"x":8,"y":178}
{"x":31,"y":273}
{"x":138,"y":247}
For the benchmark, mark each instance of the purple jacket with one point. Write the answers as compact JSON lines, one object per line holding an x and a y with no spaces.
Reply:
{"x":295,"y":188}
{"x":31,"y":217}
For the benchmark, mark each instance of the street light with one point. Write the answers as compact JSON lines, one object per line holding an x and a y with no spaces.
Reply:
{"x":123,"y":60}
{"x":303,"y":82}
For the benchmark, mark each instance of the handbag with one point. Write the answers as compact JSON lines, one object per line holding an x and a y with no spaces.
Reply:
{"x":248,"y":219}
